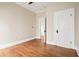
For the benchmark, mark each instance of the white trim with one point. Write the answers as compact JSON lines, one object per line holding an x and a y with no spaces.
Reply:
{"x":37,"y":36}
{"x":16,"y":42}
{"x":77,"y":50}
{"x":52,"y":43}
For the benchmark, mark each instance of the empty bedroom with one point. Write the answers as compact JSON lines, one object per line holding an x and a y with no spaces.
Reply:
{"x":39,"y":29}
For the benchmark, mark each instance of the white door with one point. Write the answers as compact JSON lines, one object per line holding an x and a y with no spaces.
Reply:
{"x":42,"y":28}
{"x":64,"y":28}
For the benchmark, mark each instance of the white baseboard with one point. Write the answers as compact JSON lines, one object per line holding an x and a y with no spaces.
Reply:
{"x":37,"y":36}
{"x":16,"y":42}
{"x":77,"y":50}
{"x":52,"y":43}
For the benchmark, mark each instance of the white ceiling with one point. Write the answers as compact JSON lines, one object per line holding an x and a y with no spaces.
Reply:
{"x":35,"y":7}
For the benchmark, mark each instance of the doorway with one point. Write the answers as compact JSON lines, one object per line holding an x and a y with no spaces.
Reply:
{"x":43,"y":25}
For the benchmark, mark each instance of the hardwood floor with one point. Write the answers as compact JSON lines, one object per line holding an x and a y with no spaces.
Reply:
{"x":35,"y":48}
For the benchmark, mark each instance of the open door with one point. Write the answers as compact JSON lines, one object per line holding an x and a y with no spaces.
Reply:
{"x":43,"y":29}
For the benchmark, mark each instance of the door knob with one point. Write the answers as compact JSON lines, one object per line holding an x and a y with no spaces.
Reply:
{"x":57,"y":31}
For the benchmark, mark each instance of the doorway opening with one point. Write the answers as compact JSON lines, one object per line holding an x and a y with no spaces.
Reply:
{"x":43,"y":30}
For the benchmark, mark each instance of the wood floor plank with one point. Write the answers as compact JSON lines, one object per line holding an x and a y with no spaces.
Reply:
{"x":35,"y":48}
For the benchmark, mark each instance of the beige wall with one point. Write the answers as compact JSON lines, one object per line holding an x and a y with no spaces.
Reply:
{"x":56,"y":7}
{"x":15,"y":23}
